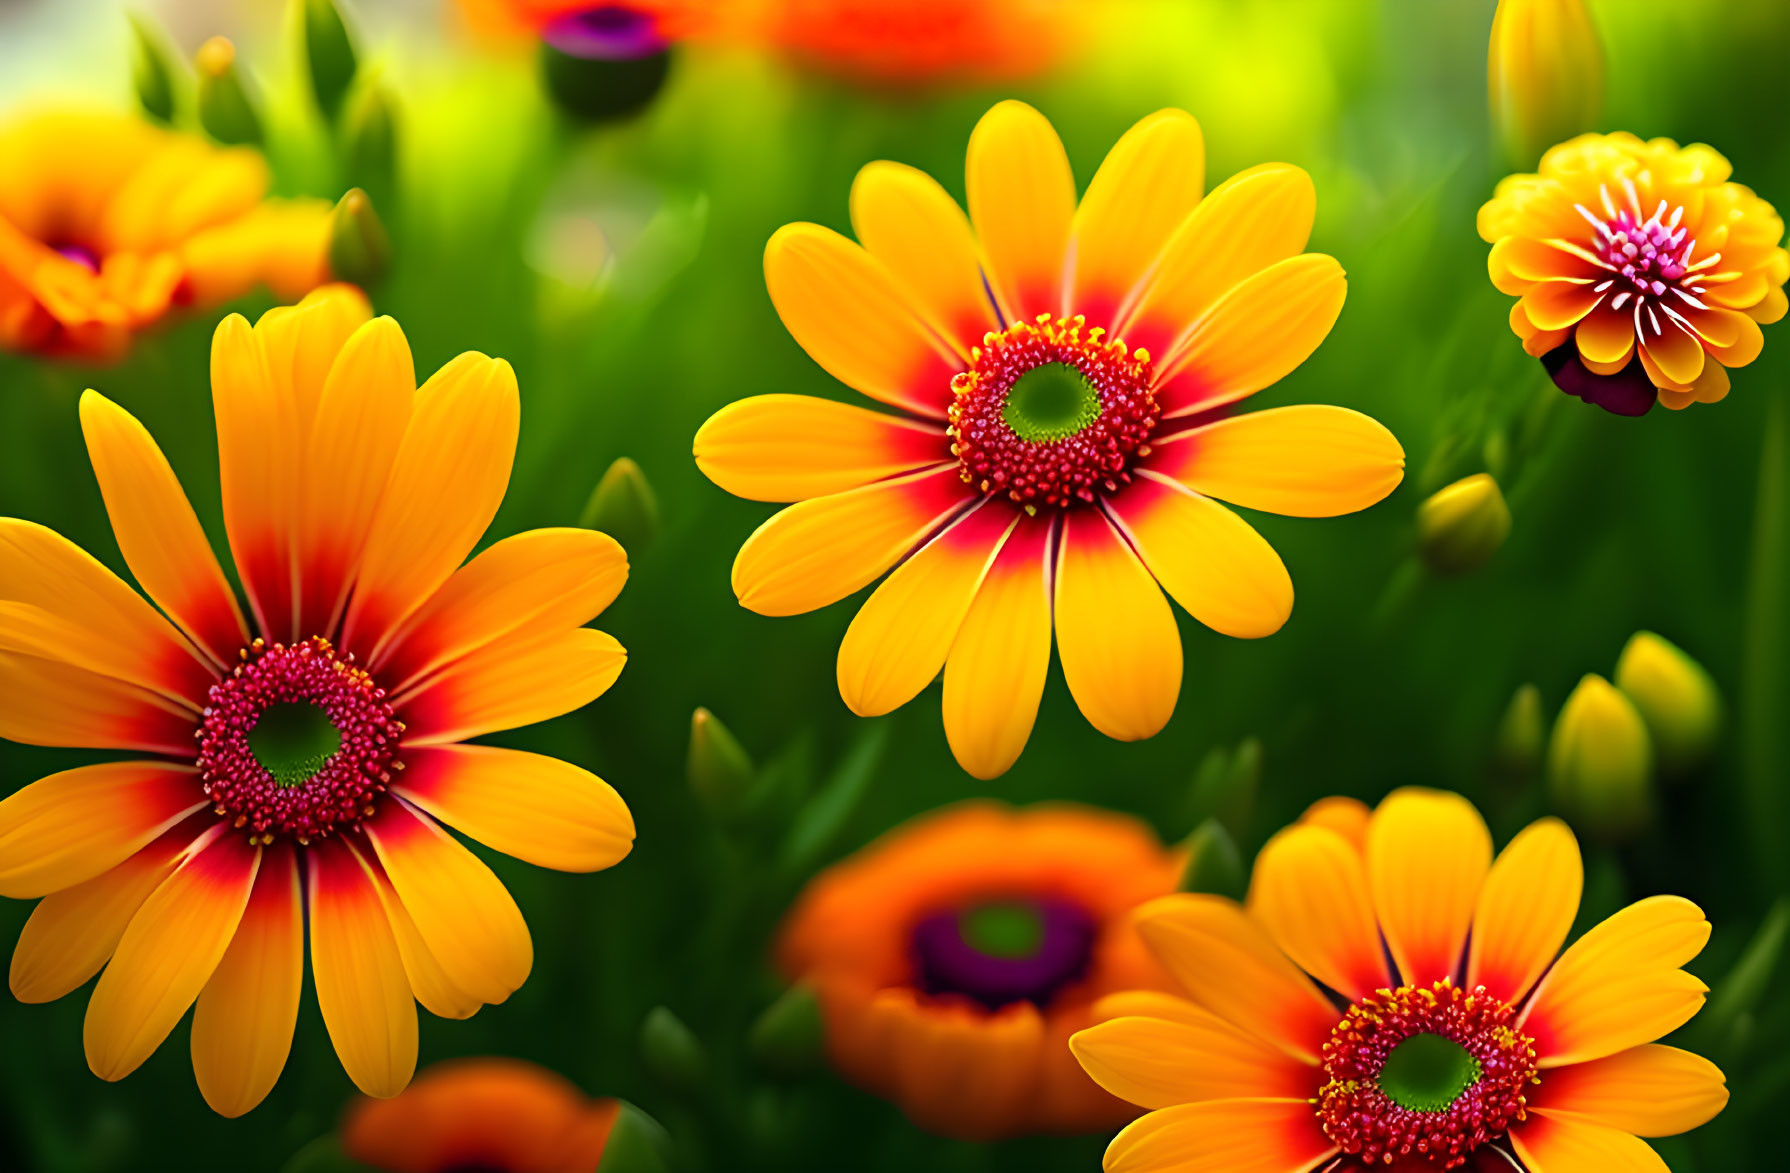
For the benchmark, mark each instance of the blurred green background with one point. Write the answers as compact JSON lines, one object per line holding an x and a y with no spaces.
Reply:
{"x":1384,"y":677}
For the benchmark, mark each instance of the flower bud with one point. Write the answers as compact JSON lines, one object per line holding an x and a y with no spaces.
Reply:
{"x":359,"y":249}
{"x":719,"y":771}
{"x":623,"y":506}
{"x":152,"y":70}
{"x":370,"y":141}
{"x":224,"y":107}
{"x":1600,"y":762}
{"x":1517,"y":750}
{"x":1461,"y":526}
{"x":636,"y":1144}
{"x":329,"y":53}
{"x":673,"y":1055}
{"x":1546,"y":70}
{"x":1213,"y":862}
{"x":1225,"y":785}
{"x":1676,"y":698}
{"x":789,"y":1038}
{"x":604,"y":63}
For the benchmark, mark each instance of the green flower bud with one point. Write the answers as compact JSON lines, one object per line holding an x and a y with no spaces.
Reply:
{"x":719,"y":771}
{"x":673,"y":1055}
{"x":1213,"y":862}
{"x":623,"y":506}
{"x":1676,"y":698}
{"x":1225,"y":785}
{"x":1600,"y":762}
{"x":329,"y":53}
{"x":1517,"y":751}
{"x":224,"y":107}
{"x":1461,"y":526}
{"x":636,"y":1144}
{"x":789,"y":1038}
{"x":370,"y":140}
{"x":359,"y":249}
{"x":152,"y":70}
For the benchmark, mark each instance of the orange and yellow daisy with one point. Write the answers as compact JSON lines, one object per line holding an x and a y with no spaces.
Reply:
{"x":495,"y":1115}
{"x":289,"y":767}
{"x":954,"y":957}
{"x":1643,"y":272}
{"x":1393,"y":997}
{"x":1057,"y":457}
{"x":108,"y":223}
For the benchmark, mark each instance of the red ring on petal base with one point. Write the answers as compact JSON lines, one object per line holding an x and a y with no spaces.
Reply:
{"x":338,"y":789}
{"x":1057,"y":467}
{"x":1361,"y":1112}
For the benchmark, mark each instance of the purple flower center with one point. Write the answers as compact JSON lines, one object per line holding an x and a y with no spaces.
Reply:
{"x":80,"y":255}
{"x":1002,"y":951}
{"x":607,"y":32}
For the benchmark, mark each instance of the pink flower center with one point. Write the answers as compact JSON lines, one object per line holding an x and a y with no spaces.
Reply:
{"x":1051,"y":412}
{"x":297,"y":742}
{"x":1424,"y":1073}
{"x":1654,"y":273}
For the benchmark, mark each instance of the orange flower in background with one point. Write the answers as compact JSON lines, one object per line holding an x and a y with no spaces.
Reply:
{"x":913,"y":42}
{"x":1643,"y":273}
{"x":290,"y":766}
{"x":1057,"y":460}
{"x":108,"y":223}
{"x":1440,"y":1025}
{"x":954,"y":957}
{"x":497,"y":1115}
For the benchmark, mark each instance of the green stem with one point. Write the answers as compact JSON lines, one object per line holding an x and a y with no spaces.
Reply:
{"x":1765,"y":662}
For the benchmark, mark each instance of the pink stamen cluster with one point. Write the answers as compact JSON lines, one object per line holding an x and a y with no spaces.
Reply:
{"x":1649,"y":259}
{"x":1063,"y":471}
{"x":1362,"y":1120}
{"x":341,"y":792}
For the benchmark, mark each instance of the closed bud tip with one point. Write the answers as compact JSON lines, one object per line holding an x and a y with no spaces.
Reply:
{"x":1214,"y":864}
{"x":225,"y":110}
{"x":673,"y":1054}
{"x":1677,"y":699}
{"x":623,"y":506}
{"x":1600,"y":762}
{"x":1516,"y":752}
{"x":789,"y":1038}
{"x":370,"y":140}
{"x":152,"y":70}
{"x":1546,"y":73}
{"x":359,"y":249}
{"x":719,"y":771}
{"x":1462,"y":525}
{"x":329,"y":53}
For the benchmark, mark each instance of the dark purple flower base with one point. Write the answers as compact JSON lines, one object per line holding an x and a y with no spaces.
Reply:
{"x":1627,"y":392}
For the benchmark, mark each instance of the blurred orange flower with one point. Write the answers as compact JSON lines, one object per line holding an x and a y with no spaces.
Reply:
{"x":496,"y":1114}
{"x":954,"y":957}
{"x":107,"y":223}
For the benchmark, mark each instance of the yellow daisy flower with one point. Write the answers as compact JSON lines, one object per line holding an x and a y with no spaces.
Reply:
{"x":1393,"y":997}
{"x":108,"y":223}
{"x":1058,"y":458}
{"x":292,"y":765}
{"x":1643,"y":273}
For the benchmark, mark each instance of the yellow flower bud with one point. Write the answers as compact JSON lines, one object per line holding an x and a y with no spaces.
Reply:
{"x":1546,"y":70}
{"x":1600,"y":762}
{"x":1676,"y":698}
{"x":1461,"y":526}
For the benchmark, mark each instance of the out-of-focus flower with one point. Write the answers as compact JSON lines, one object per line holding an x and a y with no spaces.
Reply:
{"x":1643,"y":272}
{"x":225,"y":110}
{"x":954,"y":957}
{"x":1600,"y":761}
{"x":291,"y":763}
{"x":108,"y":223}
{"x":1460,"y":526}
{"x":1469,"y":1036}
{"x":1546,"y":73}
{"x":1675,"y":696}
{"x":502,"y":1115}
{"x":1522,"y":734}
{"x":1055,"y":464}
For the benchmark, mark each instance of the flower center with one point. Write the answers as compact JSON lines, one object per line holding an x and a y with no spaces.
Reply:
{"x":1051,"y":412}
{"x":1002,"y":951}
{"x":606,"y":32}
{"x":297,"y":741}
{"x":80,"y":255}
{"x":1649,"y":259}
{"x":1424,"y":1073}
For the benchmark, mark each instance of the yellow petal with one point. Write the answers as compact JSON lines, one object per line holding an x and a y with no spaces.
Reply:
{"x":912,"y":225}
{"x":1022,"y":202}
{"x":1649,"y":1090}
{"x":430,"y":983}
{"x":1427,"y":857}
{"x":793,"y":447}
{"x":1307,"y":461}
{"x":1116,"y":636}
{"x":302,"y":342}
{"x":1222,"y":1136}
{"x":1156,"y":1063}
{"x":52,"y":703}
{"x":1149,"y":182}
{"x":1309,"y":890}
{"x":509,"y":684}
{"x":67,"y":828}
{"x":362,"y":990}
{"x":1525,"y":911}
{"x":1348,"y":817}
{"x":1559,"y":1144}
{"x":257,"y":470}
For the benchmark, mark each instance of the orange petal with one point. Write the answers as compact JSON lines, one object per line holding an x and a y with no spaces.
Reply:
{"x":1746,"y":347}
{"x":1649,"y":1090}
{"x":509,"y":684}
{"x":1213,"y":562}
{"x":1222,"y":1136}
{"x":1348,"y":817}
{"x":536,"y":808}
{"x":1306,"y":461}
{"x":281,"y":243}
{"x":243,"y":1021}
{"x":1606,"y":336}
{"x":1558,"y":1144}
{"x":1149,"y":1004}
{"x":362,"y":990}
{"x":1557,"y":305}
{"x":898,"y":640}
{"x":1116,"y":637}
{"x":429,"y":982}
{"x":845,"y":309}
{"x":1149,"y":182}
{"x":158,"y":532}
{"x":916,"y":230}
{"x":461,"y":910}
{"x":1229,"y":966}
{"x":1675,"y":351}
{"x":1620,"y":984}
{"x":1427,"y":857}
{"x":446,"y":483}
{"x":818,"y":551}
{"x":257,"y":474}
{"x":302,"y":342}
{"x":1518,"y":262}
{"x":995,"y":672}
{"x":1022,"y":202}
{"x":52,"y":703}
{"x":168,"y":953}
{"x":70,"y":827}
{"x":1309,"y":890}
{"x":793,"y":447}
{"x":1156,"y":1063}
{"x":1525,"y":911}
